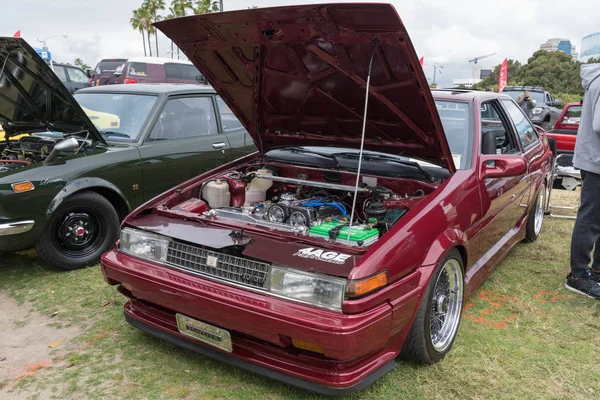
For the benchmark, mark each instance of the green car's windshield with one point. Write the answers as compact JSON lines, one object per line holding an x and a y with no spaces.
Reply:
{"x":117,"y":116}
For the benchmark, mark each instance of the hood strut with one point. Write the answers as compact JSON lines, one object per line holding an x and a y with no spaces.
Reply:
{"x":362,"y":139}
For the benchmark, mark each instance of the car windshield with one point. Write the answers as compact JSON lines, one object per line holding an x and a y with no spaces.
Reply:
{"x":456,"y":119}
{"x":538,"y":97}
{"x":117,"y":116}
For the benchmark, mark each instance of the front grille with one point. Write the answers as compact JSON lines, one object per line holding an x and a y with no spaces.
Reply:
{"x":228,"y":268}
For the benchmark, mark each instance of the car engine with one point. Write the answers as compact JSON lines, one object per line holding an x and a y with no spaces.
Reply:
{"x":300,"y":206}
{"x":25,"y":151}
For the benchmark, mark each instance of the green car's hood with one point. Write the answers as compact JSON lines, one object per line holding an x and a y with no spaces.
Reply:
{"x":33,"y":99}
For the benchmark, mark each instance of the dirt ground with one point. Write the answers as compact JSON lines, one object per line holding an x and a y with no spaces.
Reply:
{"x":29,"y":345}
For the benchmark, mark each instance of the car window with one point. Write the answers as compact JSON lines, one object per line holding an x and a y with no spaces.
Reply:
{"x":572,"y":116}
{"x":182,"y":72}
{"x":455,"y":117}
{"x":185,"y":117}
{"x":77,"y":75}
{"x":491,"y":121}
{"x":117,"y":116}
{"x":228,"y":119}
{"x":61,"y":73}
{"x":137,"y":69}
{"x":109,"y":65}
{"x":526,"y":132}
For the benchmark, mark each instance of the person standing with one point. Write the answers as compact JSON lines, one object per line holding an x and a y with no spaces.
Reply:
{"x":586,"y":234}
{"x":526,"y":104}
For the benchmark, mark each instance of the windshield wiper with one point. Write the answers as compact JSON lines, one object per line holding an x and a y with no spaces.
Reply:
{"x":114,"y":133}
{"x":299,"y":149}
{"x":416,"y":165}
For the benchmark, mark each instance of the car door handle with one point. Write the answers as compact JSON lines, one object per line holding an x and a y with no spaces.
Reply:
{"x":218,"y":146}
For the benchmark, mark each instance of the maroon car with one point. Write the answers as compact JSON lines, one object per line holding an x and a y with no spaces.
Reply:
{"x":346,"y":241}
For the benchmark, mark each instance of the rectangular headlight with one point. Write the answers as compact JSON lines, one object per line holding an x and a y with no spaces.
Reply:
{"x":320,"y":290}
{"x":144,"y":245}
{"x":536,"y":111}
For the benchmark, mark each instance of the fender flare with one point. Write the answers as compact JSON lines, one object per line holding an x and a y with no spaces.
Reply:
{"x":445,"y":241}
{"x":79,"y":185}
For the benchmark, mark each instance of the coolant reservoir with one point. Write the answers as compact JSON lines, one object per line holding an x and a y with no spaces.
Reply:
{"x":256,"y":191}
{"x":216,"y":194}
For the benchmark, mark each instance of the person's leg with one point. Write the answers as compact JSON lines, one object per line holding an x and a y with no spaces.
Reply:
{"x":586,"y":233}
{"x":587,"y":226}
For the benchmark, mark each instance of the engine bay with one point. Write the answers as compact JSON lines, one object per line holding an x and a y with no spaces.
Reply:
{"x":307,"y":202}
{"x":25,"y":151}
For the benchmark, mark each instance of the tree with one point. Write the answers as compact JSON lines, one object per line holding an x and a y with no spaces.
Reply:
{"x":206,"y":6}
{"x":137,"y":23}
{"x":153,"y":7}
{"x":81,"y":64}
{"x":513,"y":68}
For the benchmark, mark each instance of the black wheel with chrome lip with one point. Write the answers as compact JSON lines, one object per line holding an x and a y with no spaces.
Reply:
{"x":84,"y":227}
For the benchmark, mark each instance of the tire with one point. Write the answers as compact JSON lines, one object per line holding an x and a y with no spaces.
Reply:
{"x":546,"y":125}
{"x":84,"y":227}
{"x":535,"y":219}
{"x":424,"y":344}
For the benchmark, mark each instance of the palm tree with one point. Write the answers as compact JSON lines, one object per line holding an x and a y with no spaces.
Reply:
{"x":137,"y":23}
{"x":206,"y":6}
{"x":146,"y":24}
{"x":154,"y":6}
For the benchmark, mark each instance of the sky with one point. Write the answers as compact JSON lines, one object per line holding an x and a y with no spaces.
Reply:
{"x":445,"y":32}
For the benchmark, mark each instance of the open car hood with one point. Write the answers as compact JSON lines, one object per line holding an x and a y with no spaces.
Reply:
{"x":296,"y":76}
{"x":33,"y":99}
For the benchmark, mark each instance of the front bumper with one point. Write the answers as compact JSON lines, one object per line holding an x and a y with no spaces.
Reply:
{"x":16,"y":227}
{"x":358,"y":348}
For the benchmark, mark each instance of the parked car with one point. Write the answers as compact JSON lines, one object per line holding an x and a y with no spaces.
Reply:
{"x":565,"y":134}
{"x":73,"y":77}
{"x":156,"y":70}
{"x":65,"y":186}
{"x":545,"y":113}
{"x":305,"y":262}
{"x":104,"y":71}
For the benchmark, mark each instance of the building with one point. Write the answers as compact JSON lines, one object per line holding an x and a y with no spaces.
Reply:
{"x":484,"y":73}
{"x":590,"y":47}
{"x":560,"y":44}
{"x":467,"y":83}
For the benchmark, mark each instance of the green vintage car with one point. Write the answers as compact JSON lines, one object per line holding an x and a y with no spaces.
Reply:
{"x":67,"y":184}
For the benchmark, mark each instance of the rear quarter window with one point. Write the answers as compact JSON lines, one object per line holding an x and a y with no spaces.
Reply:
{"x":137,"y":69}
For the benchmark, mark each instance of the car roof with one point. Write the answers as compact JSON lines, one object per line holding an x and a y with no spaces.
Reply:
{"x":466,"y":94}
{"x":158,"y":60}
{"x":150,"y":88}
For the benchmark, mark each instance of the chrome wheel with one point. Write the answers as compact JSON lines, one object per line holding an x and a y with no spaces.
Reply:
{"x":539,"y":210}
{"x":446,"y":305}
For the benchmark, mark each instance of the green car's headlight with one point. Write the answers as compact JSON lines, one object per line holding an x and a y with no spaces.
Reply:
{"x":144,"y":245}
{"x":321,"y":290}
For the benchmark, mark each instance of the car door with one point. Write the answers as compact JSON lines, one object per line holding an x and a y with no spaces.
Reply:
{"x":77,"y":78}
{"x":501,"y":197}
{"x":240,"y":141}
{"x":183,"y":142}
{"x":533,"y":150}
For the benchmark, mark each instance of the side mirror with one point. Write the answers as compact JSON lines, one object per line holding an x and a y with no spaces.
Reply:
{"x":501,"y":166}
{"x":557,"y":102}
{"x":64,"y":145}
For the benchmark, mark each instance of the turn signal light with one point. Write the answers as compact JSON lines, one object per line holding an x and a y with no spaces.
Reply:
{"x":364,"y":286}
{"x":22,"y":187}
{"x":301,"y":344}
{"x":129,"y":80}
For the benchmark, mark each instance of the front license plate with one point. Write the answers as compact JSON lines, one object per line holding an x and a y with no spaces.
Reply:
{"x":203,"y":332}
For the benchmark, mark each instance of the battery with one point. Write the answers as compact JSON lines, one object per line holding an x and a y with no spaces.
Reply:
{"x":360,"y":235}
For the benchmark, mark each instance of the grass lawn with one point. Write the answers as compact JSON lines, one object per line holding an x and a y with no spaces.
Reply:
{"x":523,"y":335}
